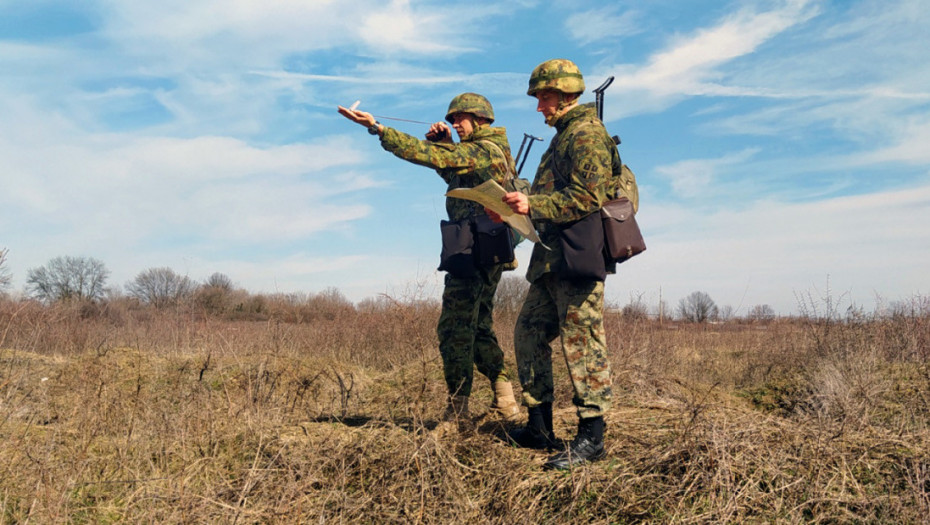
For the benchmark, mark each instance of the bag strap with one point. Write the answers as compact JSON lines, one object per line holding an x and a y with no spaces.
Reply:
{"x":511,"y":168}
{"x":555,"y":171}
{"x":565,"y":181}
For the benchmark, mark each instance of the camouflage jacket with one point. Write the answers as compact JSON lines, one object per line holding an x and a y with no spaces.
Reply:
{"x":465,"y":164}
{"x":585,"y":158}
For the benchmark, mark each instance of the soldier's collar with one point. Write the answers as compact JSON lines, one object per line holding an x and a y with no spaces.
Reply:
{"x":578,"y":110}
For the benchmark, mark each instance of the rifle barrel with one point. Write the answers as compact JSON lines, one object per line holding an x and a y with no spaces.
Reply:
{"x":603,"y":87}
{"x":532,"y":139}
{"x":599,"y":96}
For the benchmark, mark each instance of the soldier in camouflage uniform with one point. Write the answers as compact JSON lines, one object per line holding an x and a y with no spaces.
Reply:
{"x":466,"y":335}
{"x":574,"y":180}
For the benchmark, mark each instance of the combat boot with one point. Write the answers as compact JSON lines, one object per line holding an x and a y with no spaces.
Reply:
{"x":505,"y":404}
{"x":454,"y":418}
{"x":537,"y":433}
{"x":587,"y":447}
{"x":457,"y":409}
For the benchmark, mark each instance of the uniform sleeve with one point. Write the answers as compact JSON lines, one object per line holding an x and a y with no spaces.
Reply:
{"x":458,"y":159}
{"x":588,"y":170}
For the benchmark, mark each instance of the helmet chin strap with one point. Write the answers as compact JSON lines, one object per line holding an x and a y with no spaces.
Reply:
{"x":564,"y":106}
{"x":476,"y":124}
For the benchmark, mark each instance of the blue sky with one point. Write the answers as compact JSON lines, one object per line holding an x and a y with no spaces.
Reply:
{"x":781,"y":146}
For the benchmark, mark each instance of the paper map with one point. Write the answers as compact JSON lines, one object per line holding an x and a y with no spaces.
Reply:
{"x":489,"y":194}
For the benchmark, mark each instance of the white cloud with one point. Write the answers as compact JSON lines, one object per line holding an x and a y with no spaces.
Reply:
{"x":386,"y":74}
{"x":211,"y":174}
{"x":399,"y":29}
{"x":207,"y":186}
{"x":909,"y":143}
{"x":249,"y":33}
{"x":214,"y":33}
{"x":192,"y":63}
{"x":696,"y":64}
{"x":695,"y":177}
{"x":201,"y":135}
{"x":690,"y":64}
{"x":768,"y":252}
{"x":857,"y":77}
{"x":20,"y":54}
{"x":597,"y":25}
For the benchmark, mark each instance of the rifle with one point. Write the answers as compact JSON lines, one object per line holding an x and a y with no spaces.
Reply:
{"x":518,"y":162}
{"x":599,"y":102}
{"x":622,"y":238}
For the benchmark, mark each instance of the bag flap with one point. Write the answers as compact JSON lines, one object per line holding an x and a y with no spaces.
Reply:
{"x":485,"y":225}
{"x":620,"y":209}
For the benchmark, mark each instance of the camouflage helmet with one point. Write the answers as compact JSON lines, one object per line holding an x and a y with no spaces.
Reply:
{"x":470,"y":103}
{"x":558,"y":74}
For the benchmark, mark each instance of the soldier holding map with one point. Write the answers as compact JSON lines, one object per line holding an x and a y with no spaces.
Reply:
{"x":572,"y":183}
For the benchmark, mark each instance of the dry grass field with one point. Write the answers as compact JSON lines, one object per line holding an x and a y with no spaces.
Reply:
{"x":316,"y":412}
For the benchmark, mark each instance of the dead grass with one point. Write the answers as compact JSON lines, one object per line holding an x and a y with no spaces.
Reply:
{"x":122,"y":414}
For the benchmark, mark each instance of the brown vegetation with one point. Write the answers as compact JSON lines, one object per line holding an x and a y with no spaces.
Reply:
{"x":269,"y":409}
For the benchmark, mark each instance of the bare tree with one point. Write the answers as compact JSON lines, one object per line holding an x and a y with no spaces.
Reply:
{"x":160,"y":287}
{"x":510,"y":294}
{"x":726,"y":313}
{"x":5,"y":277}
{"x":219,"y":281}
{"x":66,"y":278}
{"x":761,"y":312}
{"x":697,"y":308}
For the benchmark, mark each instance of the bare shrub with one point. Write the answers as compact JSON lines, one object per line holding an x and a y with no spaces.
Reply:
{"x":906,"y":327}
{"x":124,"y":412}
{"x":213,"y":300}
{"x":636,"y":309}
{"x":822,"y":316}
{"x":329,"y":304}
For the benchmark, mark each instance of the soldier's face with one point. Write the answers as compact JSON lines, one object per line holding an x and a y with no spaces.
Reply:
{"x":464,"y":124}
{"x":547,"y":103}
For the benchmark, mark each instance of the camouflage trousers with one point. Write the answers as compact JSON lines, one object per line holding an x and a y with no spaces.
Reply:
{"x":573,"y":310}
{"x":466,"y":332}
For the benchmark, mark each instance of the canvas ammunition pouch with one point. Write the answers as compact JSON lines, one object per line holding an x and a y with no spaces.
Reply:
{"x":493,"y":241}
{"x":458,"y":241}
{"x":582,"y":244}
{"x":474,"y":242}
{"x":620,"y":237}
